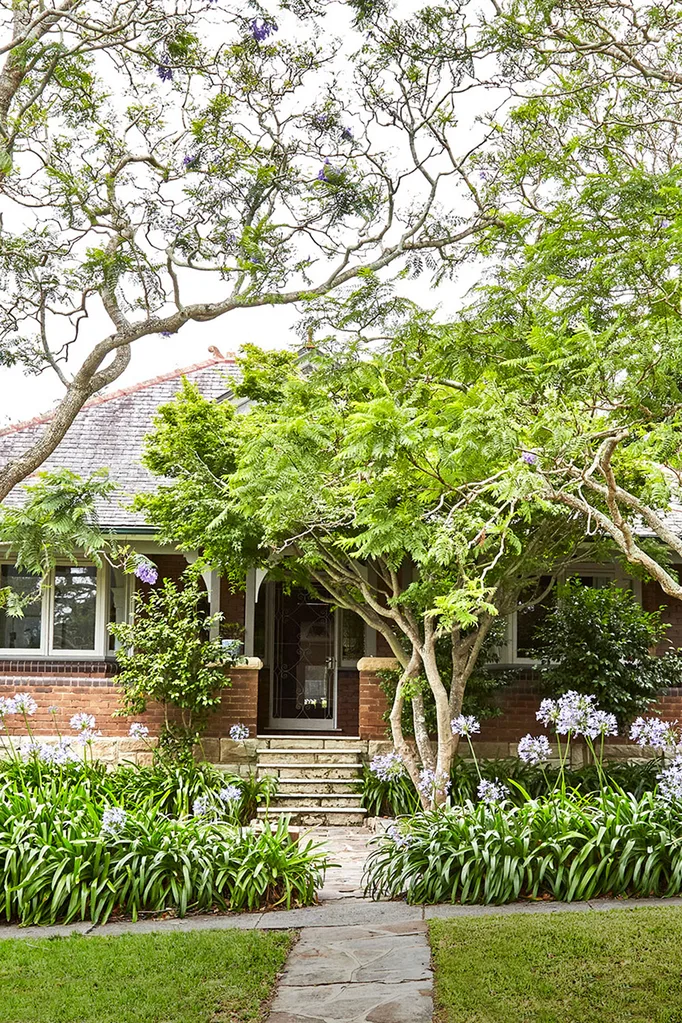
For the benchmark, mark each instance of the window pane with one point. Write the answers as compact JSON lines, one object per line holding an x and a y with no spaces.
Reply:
{"x":529,"y":621}
{"x":352,"y":637}
{"x":75,"y":599}
{"x":20,"y":633}
{"x":118,"y":609}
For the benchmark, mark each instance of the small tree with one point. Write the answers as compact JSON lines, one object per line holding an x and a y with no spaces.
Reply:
{"x":599,"y":641}
{"x":166,"y":657}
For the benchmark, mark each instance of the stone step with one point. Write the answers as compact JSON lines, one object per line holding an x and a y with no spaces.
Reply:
{"x":294,"y":742}
{"x":318,"y":784}
{"x":312,"y":799}
{"x":308,"y":756}
{"x":321,"y":815}
{"x":319,"y":772}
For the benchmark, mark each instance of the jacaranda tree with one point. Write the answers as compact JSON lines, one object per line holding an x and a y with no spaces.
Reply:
{"x":355,"y":474}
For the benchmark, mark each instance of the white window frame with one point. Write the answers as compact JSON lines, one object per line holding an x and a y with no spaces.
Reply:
{"x":46,"y":650}
{"x":614,"y":573}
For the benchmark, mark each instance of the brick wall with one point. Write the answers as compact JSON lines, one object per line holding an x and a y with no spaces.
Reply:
{"x":73,"y":695}
{"x":373,"y":705}
{"x":348,"y":700}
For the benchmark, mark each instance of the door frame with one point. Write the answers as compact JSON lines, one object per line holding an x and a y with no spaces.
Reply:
{"x":298,"y":724}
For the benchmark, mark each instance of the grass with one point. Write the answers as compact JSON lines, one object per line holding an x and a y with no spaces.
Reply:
{"x":621,"y":966}
{"x":192,"y":977}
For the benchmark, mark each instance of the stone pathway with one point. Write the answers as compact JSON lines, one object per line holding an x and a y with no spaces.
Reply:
{"x":370,"y":974}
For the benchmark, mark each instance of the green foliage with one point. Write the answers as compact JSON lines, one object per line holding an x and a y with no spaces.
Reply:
{"x":397,"y":797}
{"x":570,"y":848}
{"x":172,"y":852}
{"x":142,"y":978}
{"x":165,"y":657}
{"x":167,"y":788}
{"x":598,"y":640}
{"x":58,"y":520}
{"x":59,"y":865}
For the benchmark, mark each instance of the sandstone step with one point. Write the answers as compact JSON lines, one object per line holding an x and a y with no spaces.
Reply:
{"x":318,"y":755}
{"x":321,"y":772}
{"x":294,"y":742}
{"x":321,"y":815}
{"x":319,"y":784}
{"x":313,"y":799}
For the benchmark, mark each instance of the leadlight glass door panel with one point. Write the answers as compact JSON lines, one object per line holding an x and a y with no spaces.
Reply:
{"x":303,"y":663}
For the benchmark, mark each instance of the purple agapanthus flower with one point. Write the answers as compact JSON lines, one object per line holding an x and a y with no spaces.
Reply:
{"x":465,"y":725}
{"x":24,"y":704}
{"x":238,"y":733}
{"x":387,"y":766}
{"x":146,"y":572}
{"x":114,"y":820}
{"x":230,"y":794}
{"x":261,"y":30}
{"x":138,"y":731}
{"x":529,"y":457}
{"x":534,"y":749}
{"x":492,"y":792}
{"x":666,"y":223}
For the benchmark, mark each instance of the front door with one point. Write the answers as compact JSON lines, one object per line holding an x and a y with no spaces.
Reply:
{"x":303,"y":681}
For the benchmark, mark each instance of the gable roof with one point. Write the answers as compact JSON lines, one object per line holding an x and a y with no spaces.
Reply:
{"x":109,"y":431}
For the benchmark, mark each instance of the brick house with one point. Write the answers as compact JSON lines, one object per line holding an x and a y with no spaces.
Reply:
{"x":311,"y":671}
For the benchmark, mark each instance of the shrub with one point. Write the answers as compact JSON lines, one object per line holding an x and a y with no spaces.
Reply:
{"x":567,"y":847}
{"x":166,"y":657}
{"x":598,"y":641}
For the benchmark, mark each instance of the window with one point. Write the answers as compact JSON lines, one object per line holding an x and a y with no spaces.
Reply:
{"x":352,"y":639}
{"x":522,"y":634}
{"x":71,"y":615}
{"x":21,"y":633}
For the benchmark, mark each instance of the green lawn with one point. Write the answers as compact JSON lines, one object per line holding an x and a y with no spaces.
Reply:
{"x":196,"y":977}
{"x":622,"y":966}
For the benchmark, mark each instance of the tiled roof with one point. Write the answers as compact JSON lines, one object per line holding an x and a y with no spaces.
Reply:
{"x":109,"y":433}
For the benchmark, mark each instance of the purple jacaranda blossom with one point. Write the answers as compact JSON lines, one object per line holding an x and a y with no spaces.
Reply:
{"x":529,"y":457}
{"x":146,"y":572}
{"x":262,"y":30}
{"x":168,"y":333}
{"x":165,"y":72}
{"x":666,"y":223}
{"x":465,"y":725}
{"x":322,"y":174}
{"x":321,"y":120}
{"x":191,"y":160}
{"x":347,"y":134}
{"x":534,"y":749}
